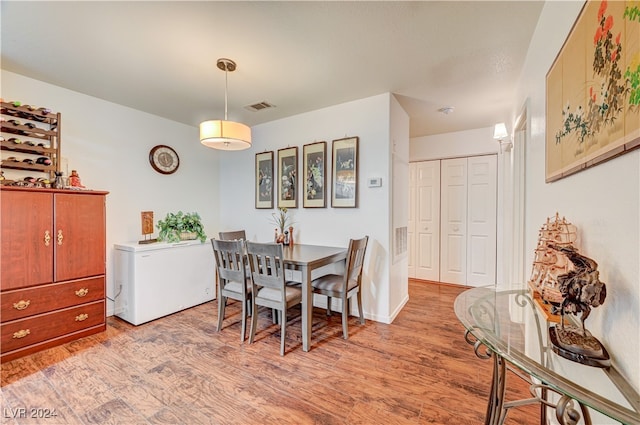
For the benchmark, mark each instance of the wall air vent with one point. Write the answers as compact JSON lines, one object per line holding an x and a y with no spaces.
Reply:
{"x":259,"y":106}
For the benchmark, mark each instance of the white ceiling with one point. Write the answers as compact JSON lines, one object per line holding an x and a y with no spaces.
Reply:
{"x":160,"y":56}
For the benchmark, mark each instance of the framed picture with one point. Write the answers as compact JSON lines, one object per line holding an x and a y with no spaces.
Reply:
{"x":344,"y":173}
{"x":264,"y":180}
{"x":288,"y":177}
{"x":314,"y":158}
{"x":592,"y":93}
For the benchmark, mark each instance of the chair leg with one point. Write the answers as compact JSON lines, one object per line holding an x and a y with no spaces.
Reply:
{"x":360,"y":311}
{"x":254,"y":322}
{"x":283,"y":319}
{"x":345,"y":319}
{"x":244,"y":320}
{"x":328,"y":305}
{"x":274,"y":316}
{"x":222,"y":302}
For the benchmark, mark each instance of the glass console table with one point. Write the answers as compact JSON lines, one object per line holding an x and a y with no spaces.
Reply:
{"x":509,"y":328}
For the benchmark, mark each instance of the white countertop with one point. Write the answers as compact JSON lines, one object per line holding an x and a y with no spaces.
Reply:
{"x":137,"y":247}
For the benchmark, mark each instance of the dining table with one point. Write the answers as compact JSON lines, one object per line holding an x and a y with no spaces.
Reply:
{"x":306,"y":259}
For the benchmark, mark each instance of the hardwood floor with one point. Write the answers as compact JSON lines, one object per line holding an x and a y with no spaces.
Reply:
{"x":179,"y":370}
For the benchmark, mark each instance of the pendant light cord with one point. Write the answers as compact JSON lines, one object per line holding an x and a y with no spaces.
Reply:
{"x":226,"y":84}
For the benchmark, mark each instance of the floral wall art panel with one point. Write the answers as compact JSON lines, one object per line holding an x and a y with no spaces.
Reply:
{"x":632,"y":62}
{"x":314,"y":159}
{"x":264,"y":180}
{"x":593,"y":90}
{"x":344,"y":173}
{"x":288,"y":177}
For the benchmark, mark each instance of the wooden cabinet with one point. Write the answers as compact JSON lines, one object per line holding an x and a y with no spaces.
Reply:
{"x":30,"y":141}
{"x":52,"y":267}
{"x":27,"y":238}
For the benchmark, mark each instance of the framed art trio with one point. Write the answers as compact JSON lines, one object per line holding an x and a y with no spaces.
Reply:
{"x":280,"y":177}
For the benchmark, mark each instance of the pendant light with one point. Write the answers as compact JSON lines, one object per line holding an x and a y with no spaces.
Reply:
{"x":223,"y":134}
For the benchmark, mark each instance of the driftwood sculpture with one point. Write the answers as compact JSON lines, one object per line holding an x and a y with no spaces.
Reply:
{"x":581,"y":287}
{"x":581,"y":290}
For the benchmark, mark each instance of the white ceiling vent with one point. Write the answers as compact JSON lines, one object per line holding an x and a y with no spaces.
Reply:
{"x":259,"y":106}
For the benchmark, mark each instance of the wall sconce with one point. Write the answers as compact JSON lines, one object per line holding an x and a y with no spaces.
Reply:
{"x":500,"y":133}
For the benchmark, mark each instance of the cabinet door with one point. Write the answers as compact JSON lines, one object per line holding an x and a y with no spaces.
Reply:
{"x":27,"y":239}
{"x":427,"y":228}
{"x":481,"y":246}
{"x":453,"y":258}
{"x":79,"y":236}
{"x":411,"y":224}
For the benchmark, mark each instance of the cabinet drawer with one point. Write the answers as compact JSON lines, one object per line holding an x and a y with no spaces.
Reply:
{"x":20,"y":333}
{"x":21,"y":303}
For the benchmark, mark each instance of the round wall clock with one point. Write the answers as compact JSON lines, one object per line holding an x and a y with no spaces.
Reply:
{"x":164,"y":159}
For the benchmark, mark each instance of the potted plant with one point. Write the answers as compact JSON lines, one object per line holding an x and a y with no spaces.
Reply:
{"x":181,"y":226}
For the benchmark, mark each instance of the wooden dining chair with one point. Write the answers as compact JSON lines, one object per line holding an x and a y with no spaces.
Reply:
{"x":234,"y":279}
{"x":345,"y":286}
{"x":233,"y":235}
{"x":269,"y":287}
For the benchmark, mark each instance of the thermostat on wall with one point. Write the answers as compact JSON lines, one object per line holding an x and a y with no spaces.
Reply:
{"x":375,"y":181}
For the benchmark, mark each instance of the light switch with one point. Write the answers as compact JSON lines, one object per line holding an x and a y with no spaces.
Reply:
{"x":375,"y":181}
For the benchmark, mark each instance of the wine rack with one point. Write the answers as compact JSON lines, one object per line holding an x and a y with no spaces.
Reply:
{"x":33,"y":135}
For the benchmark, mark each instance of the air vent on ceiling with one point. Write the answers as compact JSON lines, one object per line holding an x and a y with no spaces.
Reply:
{"x":259,"y":106}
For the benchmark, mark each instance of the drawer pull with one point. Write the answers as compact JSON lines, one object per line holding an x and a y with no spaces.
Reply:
{"x":21,"y":333}
{"x":47,"y":238}
{"x":60,"y":237}
{"x":22,"y":304}
{"x":82,"y":292}
{"x":82,"y":317}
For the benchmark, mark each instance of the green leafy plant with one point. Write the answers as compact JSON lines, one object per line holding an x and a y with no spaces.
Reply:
{"x":176,"y":223}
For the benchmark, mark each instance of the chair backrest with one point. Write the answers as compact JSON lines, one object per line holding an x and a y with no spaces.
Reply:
{"x":233,"y":235}
{"x":355,"y":259}
{"x":267,"y":266}
{"x":230,"y":261}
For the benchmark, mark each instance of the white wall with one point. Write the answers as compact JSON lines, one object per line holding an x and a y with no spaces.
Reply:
{"x":369,"y":120}
{"x":399,"y":162}
{"x":602,"y":201}
{"x":451,"y":145}
{"x":109,"y":145}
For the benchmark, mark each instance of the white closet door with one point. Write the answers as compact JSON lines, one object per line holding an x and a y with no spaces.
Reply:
{"x":411,"y":224}
{"x":453,"y":256}
{"x":427,"y":226}
{"x":481,"y":243}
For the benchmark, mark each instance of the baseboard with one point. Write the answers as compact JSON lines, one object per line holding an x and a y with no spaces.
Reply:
{"x":398,"y":309}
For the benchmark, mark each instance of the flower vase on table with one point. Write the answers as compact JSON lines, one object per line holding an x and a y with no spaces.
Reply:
{"x":283,"y":233}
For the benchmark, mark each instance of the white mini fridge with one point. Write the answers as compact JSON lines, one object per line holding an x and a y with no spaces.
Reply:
{"x":157,"y":279}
